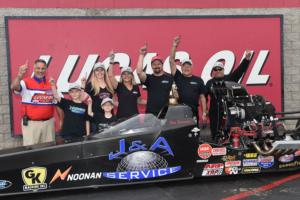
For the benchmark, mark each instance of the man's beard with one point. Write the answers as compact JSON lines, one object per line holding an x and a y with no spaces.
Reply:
{"x":157,"y":70}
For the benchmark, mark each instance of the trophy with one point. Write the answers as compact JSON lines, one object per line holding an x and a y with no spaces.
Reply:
{"x":173,"y":98}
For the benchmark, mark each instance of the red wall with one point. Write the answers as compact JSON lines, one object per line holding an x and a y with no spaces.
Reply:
{"x":149,"y":3}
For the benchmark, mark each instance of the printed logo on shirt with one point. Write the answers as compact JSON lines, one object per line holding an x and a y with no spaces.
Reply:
{"x":104,"y":95}
{"x":135,"y":92}
{"x":42,"y":98}
{"x":77,"y":110}
{"x":193,"y":83}
{"x":164,"y":81}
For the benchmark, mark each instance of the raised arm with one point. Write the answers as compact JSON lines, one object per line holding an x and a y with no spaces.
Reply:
{"x":15,"y":85}
{"x":54,"y":90}
{"x":111,"y":75}
{"x":139,"y":68}
{"x":172,"y":55}
{"x":108,"y":83}
{"x":242,"y":68}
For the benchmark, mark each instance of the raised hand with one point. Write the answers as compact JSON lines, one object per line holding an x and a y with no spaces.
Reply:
{"x":248,"y":55}
{"x":176,"y":41}
{"x":111,"y":56}
{"x":52,"y":81}
{"x":143,"y":50}
{"x":23,"y":69}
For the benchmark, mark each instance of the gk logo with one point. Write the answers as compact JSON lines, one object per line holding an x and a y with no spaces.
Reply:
{"x":34,"y":178}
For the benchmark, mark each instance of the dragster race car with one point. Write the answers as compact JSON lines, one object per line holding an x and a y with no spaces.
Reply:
{"x":147,"y":148}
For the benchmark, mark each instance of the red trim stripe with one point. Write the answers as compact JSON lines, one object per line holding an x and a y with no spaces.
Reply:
{"x":263,"y":188}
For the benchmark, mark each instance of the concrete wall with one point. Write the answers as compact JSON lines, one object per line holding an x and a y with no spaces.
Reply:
{"x":291,"y":49}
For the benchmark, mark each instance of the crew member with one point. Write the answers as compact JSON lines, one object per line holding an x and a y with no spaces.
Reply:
{"x":37,"y":104}
{"x":191,"y":89}
{"x":218,"y":77}
{"x":127,"y":90}
{"x":158,"y":84}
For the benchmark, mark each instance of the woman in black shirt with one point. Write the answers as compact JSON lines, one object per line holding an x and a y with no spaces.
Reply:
{"x":127,"y":91}
{"x":98,"y":88}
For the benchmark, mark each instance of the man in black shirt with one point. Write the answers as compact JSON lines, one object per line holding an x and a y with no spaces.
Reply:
{"x":218,"y":76}
{"x":191,"y":89}
{"x":158,"y":84}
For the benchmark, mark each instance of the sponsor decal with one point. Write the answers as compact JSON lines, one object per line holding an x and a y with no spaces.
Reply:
{"x":231,"y":170}
{"x":235,"y":163}
{"x":289,"y":165}
{"x":215,"y":169}
{"x":250,"y":155}
{"x":286,"y":158}
{"x":84,"y":176}
{"x":142,"y":174}
{"x":140,"y":162}
{"x":265,"y":161}
{"x":251,"y":170}
{"x":221,"y":151}
{"x":250,"y":162}
{"x":204,"y":151}
{"x":179,"y":122}
{"x":161,"y":143}
{"x":229,"y":158}
{"x":4,"y":184}
{"x":75,"y":177}
{"x":59,"y":174}
{"x":297,"y":153}
{"x":34,"y":178}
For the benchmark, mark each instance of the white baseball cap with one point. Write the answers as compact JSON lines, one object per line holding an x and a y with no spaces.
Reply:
{"x":126,"y":69}
{"x":74,"y":86}
{"x":99,"y":65}
{"x":218,"y":64}
{"x":187,"y":61}
{"x":107,"y":99}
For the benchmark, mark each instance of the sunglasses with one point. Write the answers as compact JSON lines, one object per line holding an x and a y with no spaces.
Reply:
{"x":218,"y":69}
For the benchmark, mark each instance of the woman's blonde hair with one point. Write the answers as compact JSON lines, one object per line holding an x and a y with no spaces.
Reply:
{"x":95,"y":85}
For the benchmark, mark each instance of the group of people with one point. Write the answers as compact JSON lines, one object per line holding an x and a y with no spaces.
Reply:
{"x":91,"y":105}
